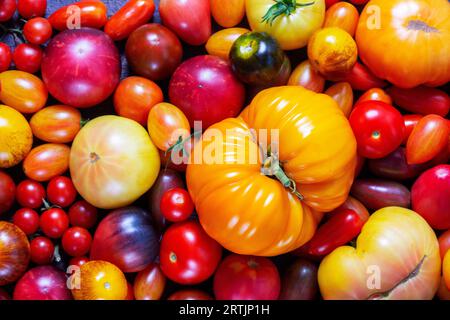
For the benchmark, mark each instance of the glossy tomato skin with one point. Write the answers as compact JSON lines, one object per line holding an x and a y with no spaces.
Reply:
{"x":228,"y":13}
{"x":342,"y":93}
{"x":46,"y":161}
{"x":188,"y":255}
{"x":32,"y":8}
{"x":5,"y":57}
{"x":342,"y":15}
{"x":177,"y":205}
{"x":205,"y":89}
{"x":306,"y":76}
{"x":300,"y":281}
{"x":411,"y":120}
{"x":131,"y":16}
{"x":149,"y":283}
{"x":7,"y":9}
{"x":444,"y":243}
{"x":30,"y":194}
{"x":93,"y":14}
{"x":76,"y":241}
{"x":360,"y":78}
{"x":378,"y":128}
{"x":220,"y":43}
{"x":153,"y":51}
{"x":188,"y":294}
{"x":41,"y":250}
{"x":37,"y":30}
{"x":82,"y":214}
{"x":7,"y":192}
{"x":246,"y":278}
{"x":375,"y":94}
{"x":61,"y":191}
{"x":54,"y":222}
{"x":27,"y":220}
{"x":78,"y":261}
{"x":190,"y":20}
{"x":28,"y":57}
{"x":78,"y":52}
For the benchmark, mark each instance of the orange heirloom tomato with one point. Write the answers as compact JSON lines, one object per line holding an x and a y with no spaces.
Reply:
{"x":16,"y":137}
{"x":100,"y":280}
{"x":306,"y":76}
{"x":131,"y":16}
{"x":406,"y":41}
{"x":332,"y":50}
{"x":220,"y":43}
{"x":57,"y":124}
{"x":22,"y":91}
{"x":342,"y":93}
{"x":228,"y":13}
{"x":167,"y":125}
{"x":343,"y":15}
{"x":252,"y":213}
{"x":135,"y":96}
{"x":113,"y":162}
{"x":376,"y":94}
{"x":396,"y":257}
{"x":93,"y":14}
{"x":46,"y":161}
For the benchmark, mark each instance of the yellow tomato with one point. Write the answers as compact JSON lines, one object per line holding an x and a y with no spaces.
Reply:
{"x":220,"y":43}
{"x":396,"y":257}
{"x":16,"y":137}
{"x":113,"y":162}
{"x":342,"y":93}
{"x":292,"y":23}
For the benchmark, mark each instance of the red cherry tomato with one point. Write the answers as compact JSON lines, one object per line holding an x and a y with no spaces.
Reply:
{"x":27,"y":57}
{"x":37,"y":30}
{"x":378,"y":128}
{"x":176,"y":205}
{"x":7,"y":9}
{"x":76,"y":241}
{"x":54,"y":222}
{"x":61,"y":191}
{"x":32,"y":8}
{"x":5,"y":56}
{"x":27,"y":220}
{"x":30,"y":194}
{"x":410,"y":121}
{"x":7,"y":192}
{"x":188,"y":255}
{"x":78,"y":261}
{"x":82,"y":214}
{"x":41,"y":250}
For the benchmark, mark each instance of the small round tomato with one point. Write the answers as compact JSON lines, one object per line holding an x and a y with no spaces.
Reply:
{"x":78,"y":261}
{"x":54,"y":222}
{"x":177,"y":205}
{"x":27,"y":220}
{"x":37,"y":30}
{"x":378,"y":128}
{"x":5,"y":56}
{"x":61,"y":191}
{"x":76,"y":241}
{"x":27,"y":57}
{"x":41,"y":250}
{"x":375,"y":94}
{"x":7,"y":192}
{"x":82,"y":214}
{"x":410,"y":120}
{"x":7,"y":9}
{"x":32,"y":8}
{"x":188,"y":255}
{"x":30,"y":194}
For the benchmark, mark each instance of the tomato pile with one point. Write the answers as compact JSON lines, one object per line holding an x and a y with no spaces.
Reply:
{"x":240,"y":149}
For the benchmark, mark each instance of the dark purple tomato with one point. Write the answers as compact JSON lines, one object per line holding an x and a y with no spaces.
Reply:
{"x":299,"y":282}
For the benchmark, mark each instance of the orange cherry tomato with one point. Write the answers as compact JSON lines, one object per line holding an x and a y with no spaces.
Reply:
{"x":343,"y":15}
{"x":100,"y":280}
{"x":149,"y":283}
{"x":134,"y":98}
{"x":167,"y":125}
{"x":428,"y":138}
{"x":131,"y":16}
{"x":22,"y":91}
{"x":306,"y":76}
{"x":342,"y":93}
{"x":220,"y":43}
{"x":46,"y":161}
{"x":375,"y":94}
{"x":410,"y":121}
{"x":56,"y":124}
{"x":93,"y":14}
{"x":228,"y":13}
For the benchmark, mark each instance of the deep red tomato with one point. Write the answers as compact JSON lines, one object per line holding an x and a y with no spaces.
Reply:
{"x":246,"y":278}
{"x":30,"y":194}
{"x":329,"y":3}
{"x":7,"y":9}
{"x":378,"y":128}
{"x":4,"y":295}
{"x":410,"y":121}
{"x":41,"y":250}
{"x":78,"y":261}
{"x":76,"y":241}
{"x":83,"y":214}
{"x":37,"y":30}
{"x":54,"y":222}
{"x":176,"y":205}
{"x":27,"y":57}
{"x":188,"y":255}
{"x":190,"y":20}
{"x":359,"y":2}
{"x":360,"y":78}
{"x":27,"y":220}
{"x":7,"y":192}
{"x":5,"y":56}
{"x":61,"y":191}
{"x":32,"y":8}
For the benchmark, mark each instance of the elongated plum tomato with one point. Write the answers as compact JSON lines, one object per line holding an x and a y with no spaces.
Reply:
{"x":306,"y":76}
{"x":300,"y":281}
{"x":359,"y":77}
{"x":113,"y":162}
{"x":397,"y":246}
{"x":343,"y":15}
{"x":220,"y":43}
{"x":46,"y":161}
{"x":76,"y":53}
{"x":228,"y":13}
{"x":149,"y":283}
{"x":411,"y":120}
{"x":342,"y":93}
{"x":378,"y":128}
{"x":92,"y":14}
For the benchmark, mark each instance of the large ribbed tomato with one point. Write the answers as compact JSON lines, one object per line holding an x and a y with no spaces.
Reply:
{"x":406,"y":41}
{"x":249,"y":212}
